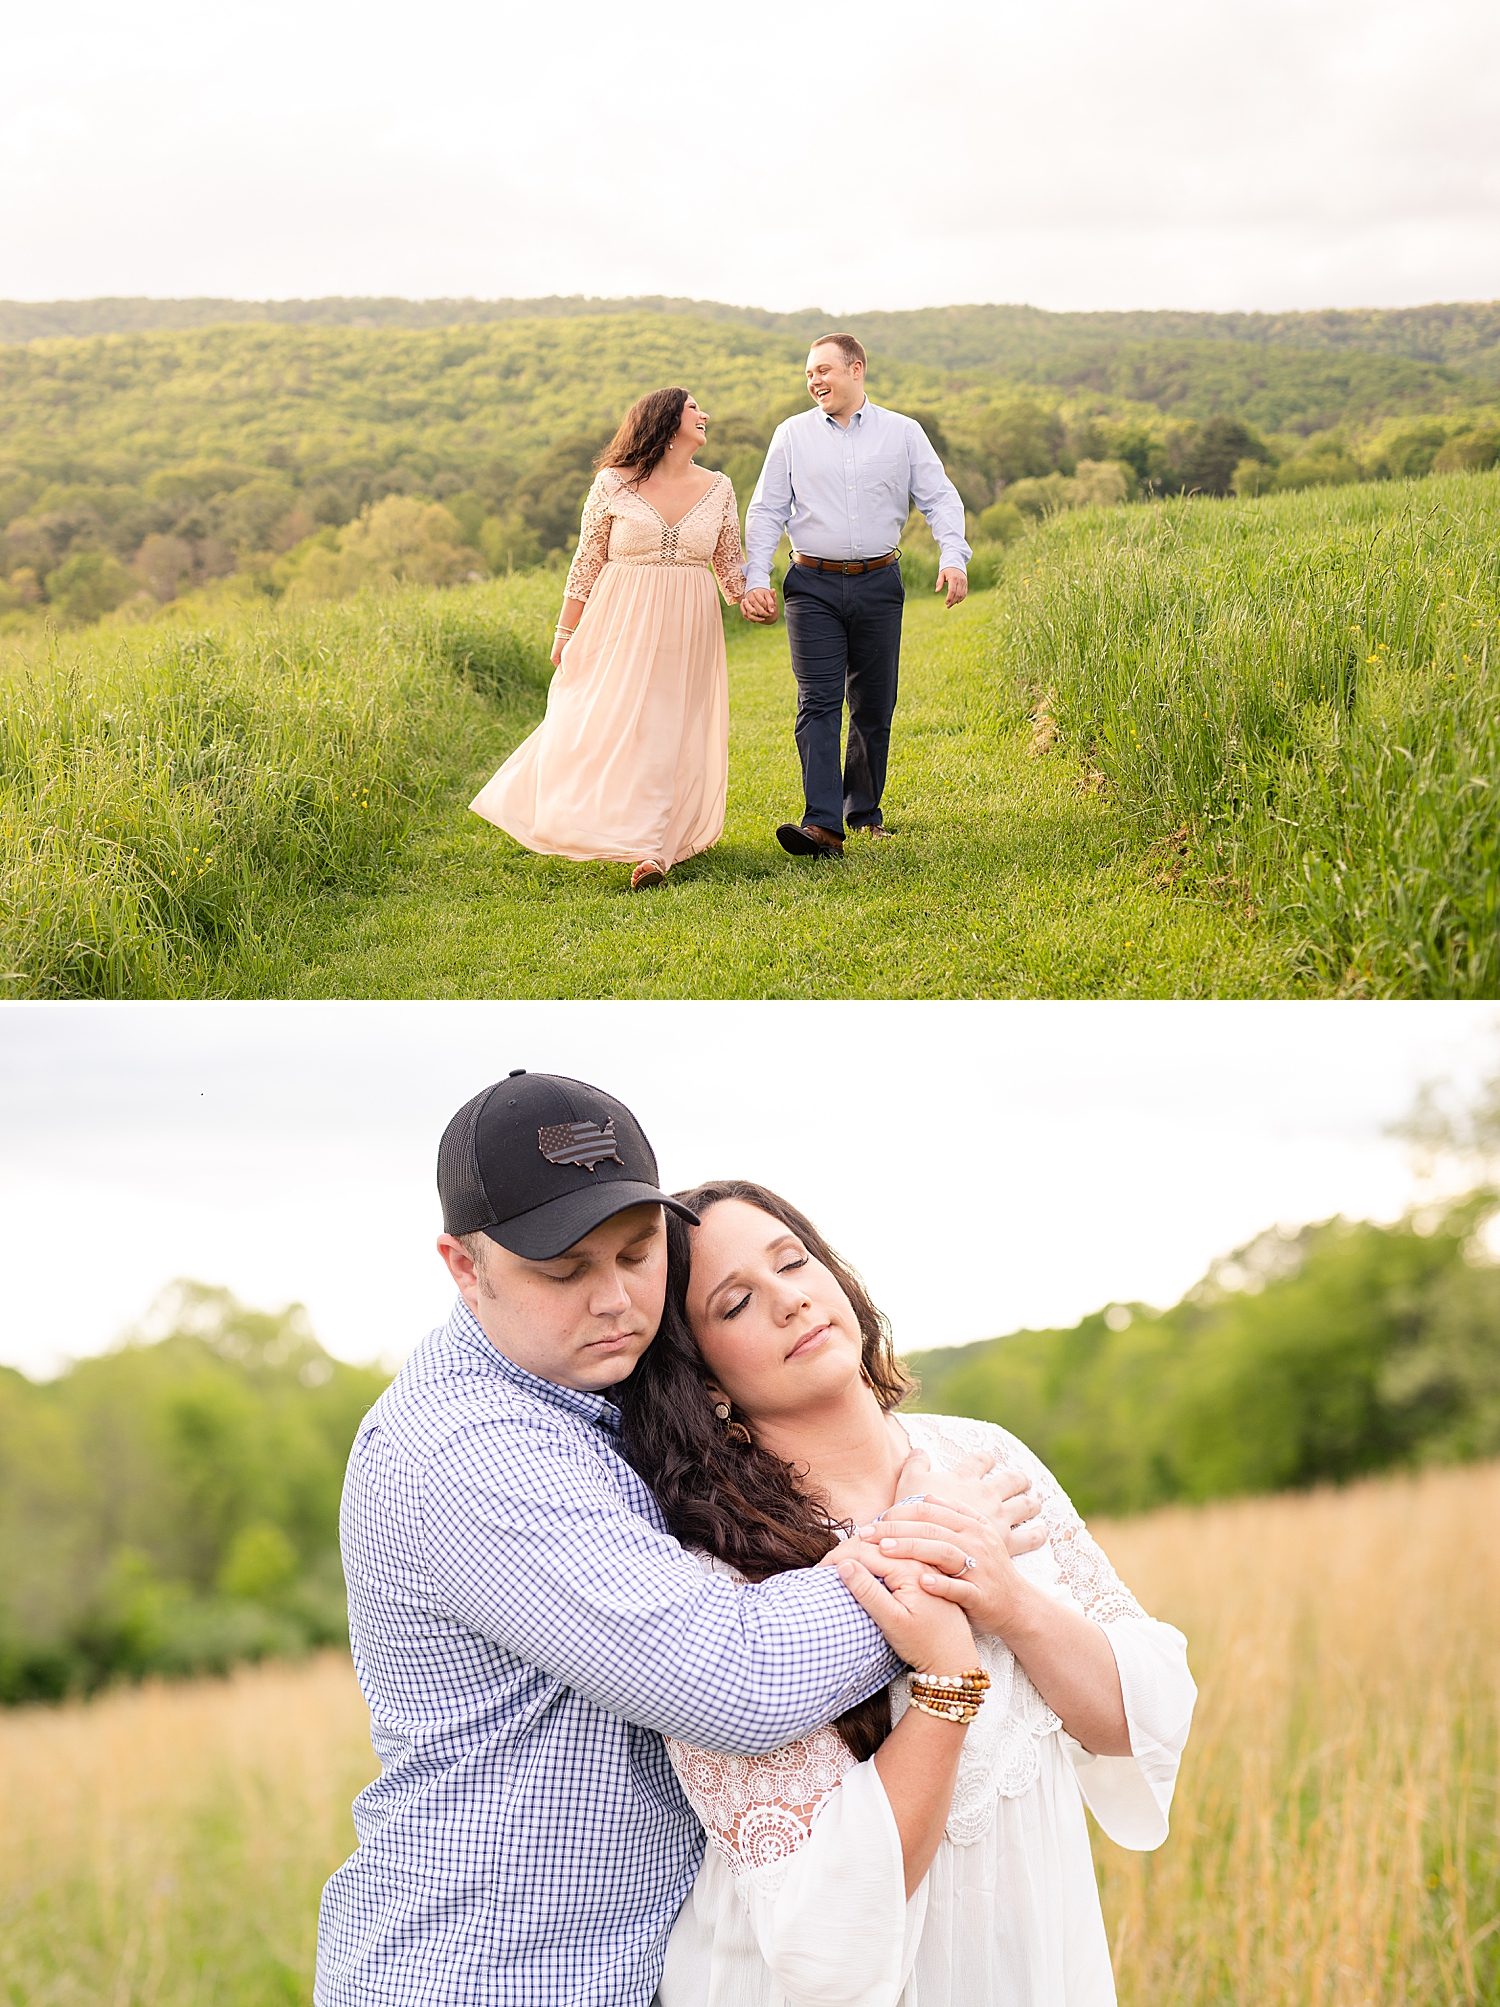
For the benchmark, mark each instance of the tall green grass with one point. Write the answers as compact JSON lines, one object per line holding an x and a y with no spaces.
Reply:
{"x":161,"y":792}
{"x":1304,"y":691}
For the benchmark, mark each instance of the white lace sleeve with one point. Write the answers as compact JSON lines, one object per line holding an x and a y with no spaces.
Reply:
{"x":592,"y":553}
{"x":728,"y":558}
{"x":1128,"y":1795}
{"x":812,"y":1843}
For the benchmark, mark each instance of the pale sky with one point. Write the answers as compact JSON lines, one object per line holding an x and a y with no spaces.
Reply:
{"x":986,"y":1166}
{"x":1249,"y":154}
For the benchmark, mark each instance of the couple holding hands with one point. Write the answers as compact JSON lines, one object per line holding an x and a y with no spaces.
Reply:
{"x":631,"y":761}
{"x":698,"y":1673}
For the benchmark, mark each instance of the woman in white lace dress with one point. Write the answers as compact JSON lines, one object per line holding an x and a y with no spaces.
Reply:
{"x":763,"y":1416}
{"x":631,"y":761}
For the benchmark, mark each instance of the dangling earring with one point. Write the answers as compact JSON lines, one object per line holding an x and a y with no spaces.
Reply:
{"x":734,"y":1432}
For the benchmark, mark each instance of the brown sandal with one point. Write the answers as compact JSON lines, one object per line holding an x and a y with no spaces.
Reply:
{"x":645,"y":875}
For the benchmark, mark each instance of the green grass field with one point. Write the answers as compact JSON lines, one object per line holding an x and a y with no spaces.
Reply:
{"x":1005,"y":879}
{"x":1190,"y":749}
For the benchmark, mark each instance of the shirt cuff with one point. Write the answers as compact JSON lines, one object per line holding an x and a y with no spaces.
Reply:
{"x":951,"y":561}
{"x":757,"y":577}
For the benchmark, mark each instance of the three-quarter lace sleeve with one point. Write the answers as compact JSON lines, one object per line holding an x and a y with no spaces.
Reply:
{"x":1131,"y":1795}
{"x":811,"y":1841}
{"x":592,"y":553}
{"x":728,"y":557}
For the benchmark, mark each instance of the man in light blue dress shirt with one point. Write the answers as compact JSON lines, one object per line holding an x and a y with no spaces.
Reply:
{"x":525,"y":1628}
{"x":841,"y":480}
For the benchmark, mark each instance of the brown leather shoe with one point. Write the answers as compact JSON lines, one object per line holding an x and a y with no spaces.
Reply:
{"x":872,"y":829}
{"x":806,"y":839}
{"x":645,"y":875}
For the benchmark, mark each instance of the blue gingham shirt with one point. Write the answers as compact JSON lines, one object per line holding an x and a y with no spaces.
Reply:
{"x":525,"y":1631}
{"x":845,"y":491}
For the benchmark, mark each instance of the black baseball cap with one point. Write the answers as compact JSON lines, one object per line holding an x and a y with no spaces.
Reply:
{"x":537,"y":1161}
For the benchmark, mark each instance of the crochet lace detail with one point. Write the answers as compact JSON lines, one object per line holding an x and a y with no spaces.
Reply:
{"x":621,"y":527}
{"x":759,"y":1810}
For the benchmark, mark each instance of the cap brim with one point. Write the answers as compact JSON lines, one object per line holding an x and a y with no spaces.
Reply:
{"x":560,"y":1224}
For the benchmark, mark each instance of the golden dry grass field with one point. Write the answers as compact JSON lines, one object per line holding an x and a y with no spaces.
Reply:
{"x":1336,"y":1838}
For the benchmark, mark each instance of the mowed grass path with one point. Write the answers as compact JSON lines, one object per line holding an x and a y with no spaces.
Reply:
{"x":1006,"y":878}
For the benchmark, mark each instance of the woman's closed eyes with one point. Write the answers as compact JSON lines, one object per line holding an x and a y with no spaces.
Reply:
{"x":799,"y":1261}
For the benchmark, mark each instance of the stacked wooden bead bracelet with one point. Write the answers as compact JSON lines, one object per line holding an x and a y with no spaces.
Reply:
{"x":949,"y":1696}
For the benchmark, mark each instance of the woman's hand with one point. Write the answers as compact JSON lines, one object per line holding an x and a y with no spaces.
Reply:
{"x":964,"y":1557}
{"x":976,"y":1486}
{"x":919,"y":1627}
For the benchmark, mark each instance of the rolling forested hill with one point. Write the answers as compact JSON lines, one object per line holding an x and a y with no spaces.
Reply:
{"x":140,"y":462}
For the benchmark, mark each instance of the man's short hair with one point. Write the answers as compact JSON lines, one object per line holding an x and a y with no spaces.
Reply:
{"x":851,"y":350}
{"x":477,"y":1246}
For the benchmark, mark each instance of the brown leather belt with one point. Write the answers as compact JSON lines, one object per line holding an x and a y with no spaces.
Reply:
{"x":846,"y":564}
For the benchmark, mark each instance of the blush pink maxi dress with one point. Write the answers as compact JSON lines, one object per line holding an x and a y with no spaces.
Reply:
{"x":631,"y":762}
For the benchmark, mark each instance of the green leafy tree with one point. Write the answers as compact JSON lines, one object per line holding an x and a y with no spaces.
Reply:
{"x":1252,"y":477}
{"x":550,"y":497}
{"x":89,"y":584}
{"x":1327,"y":463}
{"x":1001,"y":523}
{"x":1406,"y":452}
{"x":1019,"y":440}
{"x":173,"y":1504}
{"x":1215,"y":451}
{"x":1469,"y":452}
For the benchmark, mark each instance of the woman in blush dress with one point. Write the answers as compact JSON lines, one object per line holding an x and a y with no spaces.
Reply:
{"x":631,"y":761}
{"x":929,"y":1847}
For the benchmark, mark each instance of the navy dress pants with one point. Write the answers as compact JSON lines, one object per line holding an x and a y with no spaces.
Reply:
{"x":845,"y":635}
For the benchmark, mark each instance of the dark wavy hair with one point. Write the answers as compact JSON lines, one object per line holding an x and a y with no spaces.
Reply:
{"x":646,"y":431}
{"x":731,"y":1498}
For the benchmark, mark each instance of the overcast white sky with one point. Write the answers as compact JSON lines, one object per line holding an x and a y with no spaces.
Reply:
{"x":1252,"y":153}
{"x":987,"y":1166}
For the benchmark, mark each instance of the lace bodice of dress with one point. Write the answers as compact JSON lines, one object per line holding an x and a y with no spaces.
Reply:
{"x":621,"y":527}
{"x":1001,"y":1754}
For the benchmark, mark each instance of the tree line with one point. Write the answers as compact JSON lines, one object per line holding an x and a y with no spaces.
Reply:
{"x":1011,"y":341}
{"x":1309,"y":1356}
{"x":172,"y":1506}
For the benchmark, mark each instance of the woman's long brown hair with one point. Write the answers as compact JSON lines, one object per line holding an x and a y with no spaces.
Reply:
{"x":646,"y":431}
{"x":731,"y":1498}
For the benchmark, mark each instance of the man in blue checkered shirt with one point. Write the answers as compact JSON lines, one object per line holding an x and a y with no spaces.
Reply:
{"x":524,"y":1628}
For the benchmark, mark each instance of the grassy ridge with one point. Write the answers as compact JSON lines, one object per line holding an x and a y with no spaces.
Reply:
{"x":1308,"y":689}
{"x":163,"y":793}
{"x":1334,"y":1836}
{"x":1290,"y":705}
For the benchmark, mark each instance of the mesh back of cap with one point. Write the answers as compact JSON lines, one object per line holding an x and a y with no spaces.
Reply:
{"x":466,"y":1206}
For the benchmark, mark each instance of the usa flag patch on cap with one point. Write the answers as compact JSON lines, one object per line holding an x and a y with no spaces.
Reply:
{"x":586,"y":1143}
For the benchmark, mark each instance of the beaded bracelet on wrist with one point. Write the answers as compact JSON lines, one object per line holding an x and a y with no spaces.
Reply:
{"x":949,"y":1696}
